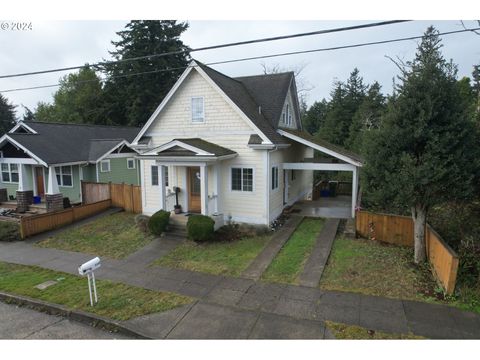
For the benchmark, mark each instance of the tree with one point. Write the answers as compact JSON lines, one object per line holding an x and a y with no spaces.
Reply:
{"x":346,"y":99}
{"x":78,"y":100}
{"x":424,"y":154}
{"x":315,"y":116}
{"x":28,"y":115}
{"x":130,"y":100}
{"x":367,"y":117}
{"x":7,"y":115}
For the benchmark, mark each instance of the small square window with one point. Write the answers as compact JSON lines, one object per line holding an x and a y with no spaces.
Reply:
{"x":105,"y":166}
{"x":198,"y":113}
{"x":131,"y":163}
{"x":242,"y":179}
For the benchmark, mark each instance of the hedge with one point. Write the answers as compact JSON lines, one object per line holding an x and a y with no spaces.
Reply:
{"x":200,"y":227}
{"x":158,"y":222}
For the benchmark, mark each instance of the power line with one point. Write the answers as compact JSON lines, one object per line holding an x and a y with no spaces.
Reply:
{"x":247,"y":42}
{"x":255,"y":58}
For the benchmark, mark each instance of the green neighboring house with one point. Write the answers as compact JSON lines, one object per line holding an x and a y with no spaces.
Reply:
{"x":31,"y":151}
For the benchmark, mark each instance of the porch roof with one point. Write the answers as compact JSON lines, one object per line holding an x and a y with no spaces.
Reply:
{"x":190,"y":147}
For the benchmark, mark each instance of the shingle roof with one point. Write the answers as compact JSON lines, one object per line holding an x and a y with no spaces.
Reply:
{"x":251,"y":103}
{"x":200,"y":144}
{"x":325,"y":144}
{"x":57,"y":143}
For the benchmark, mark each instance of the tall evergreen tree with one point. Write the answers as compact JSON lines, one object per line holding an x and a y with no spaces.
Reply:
{"x":78,"y":100}
{"x":130,"y":100}
{"x":314,"y":117}
{"x":366,"y":118}
{"x":424,"y":154}
{"x":7,"y":115}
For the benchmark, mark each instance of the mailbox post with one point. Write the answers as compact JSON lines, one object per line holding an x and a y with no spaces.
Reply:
{"x":87,"y":269}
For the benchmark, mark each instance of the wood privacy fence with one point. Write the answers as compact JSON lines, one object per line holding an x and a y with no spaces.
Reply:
{"x":398,"y":230}
{"x":37,"y":224}
{"x":128,"y":197}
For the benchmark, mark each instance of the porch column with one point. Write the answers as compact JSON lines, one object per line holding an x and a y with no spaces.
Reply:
{"x":354,"y":190}
{"x":204,"y":189}
{"x":216,"y":170}
{"x":24,"y":192}
{"x":161,"y":185}
{"x":53,"y":197}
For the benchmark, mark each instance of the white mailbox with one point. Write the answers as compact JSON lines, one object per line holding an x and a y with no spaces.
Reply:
{"x":87,"y":269}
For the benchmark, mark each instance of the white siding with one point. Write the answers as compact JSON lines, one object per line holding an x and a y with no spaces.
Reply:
{"x":223,"y":126}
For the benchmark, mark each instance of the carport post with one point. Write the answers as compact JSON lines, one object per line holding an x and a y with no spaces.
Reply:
{"x":354,"y":190}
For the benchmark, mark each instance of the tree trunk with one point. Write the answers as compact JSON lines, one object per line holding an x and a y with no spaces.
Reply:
{"x":419,"y":215}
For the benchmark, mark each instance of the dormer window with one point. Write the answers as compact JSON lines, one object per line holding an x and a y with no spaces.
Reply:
{"x":288,"y":115}
{"x":198,"y":111}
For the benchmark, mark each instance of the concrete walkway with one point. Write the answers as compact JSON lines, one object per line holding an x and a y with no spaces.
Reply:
{"x":243,"y":308}
{"x":313,"y":269}
{"x":263,"y":260}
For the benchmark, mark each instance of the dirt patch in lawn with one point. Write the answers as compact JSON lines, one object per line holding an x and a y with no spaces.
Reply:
{"x":351,"y":332}
{"x":113,"y":236}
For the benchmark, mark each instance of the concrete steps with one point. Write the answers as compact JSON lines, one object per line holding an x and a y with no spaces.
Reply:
{"x":178,"y":225}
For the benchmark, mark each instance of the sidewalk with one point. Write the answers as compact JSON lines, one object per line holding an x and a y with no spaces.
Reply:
{"x":242,"y":308}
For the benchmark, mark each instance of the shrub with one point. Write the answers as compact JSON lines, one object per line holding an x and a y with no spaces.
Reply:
{"x":9,"y":231}
{"x":142,"y":222}
{"x":158,"y":222}
{"x":200,"y":228}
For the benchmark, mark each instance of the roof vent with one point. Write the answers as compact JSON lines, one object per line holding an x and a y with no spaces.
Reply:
{"x":259,"y":109}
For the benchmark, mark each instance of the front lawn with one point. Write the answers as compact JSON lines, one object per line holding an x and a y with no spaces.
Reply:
{"x":219,"y":258}
{"x":351,"y":332}
{"x":115,"y":300}
{"x":113,"y":236}
{"x":289,"y":262}
{"x":375,"y":268}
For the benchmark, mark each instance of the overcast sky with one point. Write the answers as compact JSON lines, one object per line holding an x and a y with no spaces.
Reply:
{"x":58,"y":44}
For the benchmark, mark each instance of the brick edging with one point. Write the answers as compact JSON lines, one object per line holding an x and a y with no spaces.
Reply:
{"x":76,"y":315}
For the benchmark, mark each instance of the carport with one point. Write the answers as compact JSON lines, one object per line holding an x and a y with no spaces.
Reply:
{"x":338,"y":159}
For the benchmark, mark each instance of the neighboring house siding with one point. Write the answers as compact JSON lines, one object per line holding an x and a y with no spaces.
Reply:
{"x":90,"y":173}
{"x":12,"y":187}
{"x":119,"y":173}
{"x":223,"y":126}
{"x":73,"y":193}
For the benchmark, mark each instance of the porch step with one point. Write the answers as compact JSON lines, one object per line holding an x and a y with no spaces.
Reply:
{"x":178,"y":219}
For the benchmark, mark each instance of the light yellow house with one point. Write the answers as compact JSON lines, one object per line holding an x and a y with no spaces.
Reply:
{"x":233,"y":146}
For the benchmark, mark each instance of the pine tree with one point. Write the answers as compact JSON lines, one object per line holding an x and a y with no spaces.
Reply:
{"x":130,"y":100}
{"x":7,"y":115}
{"x":425,"y":152}
{"x":315,"y":116}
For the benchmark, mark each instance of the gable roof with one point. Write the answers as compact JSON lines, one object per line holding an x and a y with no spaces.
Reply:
{"x":56,"y":143}
{"x":323,"y":146}
{"x":189,"y":147}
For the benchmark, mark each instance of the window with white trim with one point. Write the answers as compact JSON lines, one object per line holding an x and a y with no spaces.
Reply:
{"x":289,"y":116}
{"x":64,"y":175}
{"x":154,"y":175}
{"x":9,"y":173}
{"x":166,"y":175}
{"x":130,"y":163}
{"x":274,"y":177}
{"x":242,"y":179}
{"x":105,"y":166}
{"x":198,"y":111}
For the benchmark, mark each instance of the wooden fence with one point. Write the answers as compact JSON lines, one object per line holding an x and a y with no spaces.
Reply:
{"x":128,"y":197}
{"x":398,"y":230}
{"x":37,"y":224}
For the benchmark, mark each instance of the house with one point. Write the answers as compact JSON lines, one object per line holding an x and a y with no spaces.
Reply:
{"x":47,"y":159}
{"x":234,"y":147}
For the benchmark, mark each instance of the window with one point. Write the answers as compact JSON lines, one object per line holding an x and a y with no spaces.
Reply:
{"x":130,"y":163}
{"x":64,"y":175}
{"x":242,"y":179}
{"x":198,"y":113}
{"x":10,"y":173}
{"x":274,"y":177}
{"x":105,"y":166}
{"x":166,"y":175}
{"x":154,"y":175}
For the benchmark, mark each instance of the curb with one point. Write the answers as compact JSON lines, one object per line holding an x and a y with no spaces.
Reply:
{"x":76,"y":315}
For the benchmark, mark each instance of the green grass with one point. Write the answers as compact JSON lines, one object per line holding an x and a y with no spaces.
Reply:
{"x":219,"y":258}
{"x":116,"y":301}
{"x":112,"y":236}
{"x":289,"y":262}
{"x":374,"y":268}
{"x":351,"y":332}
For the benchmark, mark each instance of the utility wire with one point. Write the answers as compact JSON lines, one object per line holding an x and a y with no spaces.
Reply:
{"x":276,"y":38}
{"x":254,"y":58}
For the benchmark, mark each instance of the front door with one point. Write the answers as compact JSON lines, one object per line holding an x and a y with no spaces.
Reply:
{"x":39,"y":181}
{"x":194,"y":204}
